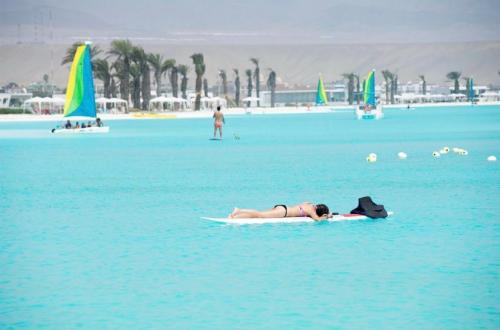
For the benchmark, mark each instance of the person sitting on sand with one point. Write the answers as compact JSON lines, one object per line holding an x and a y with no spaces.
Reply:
{"x":218,"y":121}
{"x":306,"y":209}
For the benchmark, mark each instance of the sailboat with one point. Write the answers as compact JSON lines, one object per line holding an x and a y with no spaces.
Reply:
{"x":321,"y":98}
{"x":80,"y":98}
{"x":369,"y":109}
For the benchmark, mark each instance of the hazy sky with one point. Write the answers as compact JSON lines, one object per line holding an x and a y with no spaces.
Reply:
{"x":326,"y":21}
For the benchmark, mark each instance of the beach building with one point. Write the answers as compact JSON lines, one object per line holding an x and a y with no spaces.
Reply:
{"x":4,"y":100}
{"x":336,"y":93}
{"x":14,"y":98}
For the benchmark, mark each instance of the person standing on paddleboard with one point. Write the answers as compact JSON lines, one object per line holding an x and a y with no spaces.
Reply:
{"x":218,"y":121}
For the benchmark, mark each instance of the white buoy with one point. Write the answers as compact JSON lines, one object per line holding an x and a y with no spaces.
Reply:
{"x":436,"y":154}
{"x":402,"y":155}
{"x":372,"y":158}
{"x":492,"y":158}
{"x":444,"y":150}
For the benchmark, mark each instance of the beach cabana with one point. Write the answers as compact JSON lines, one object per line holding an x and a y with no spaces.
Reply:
{"x":211,"y":103}
{"x":490,"y":97}
{"x":111,"y":105}
{"x":163,"y":103}
{"x":458,"y":97}
{"x":251,"y":101}
{"x":44,"y":105}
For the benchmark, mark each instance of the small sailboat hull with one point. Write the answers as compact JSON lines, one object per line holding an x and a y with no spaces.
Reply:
{"x":369,"y":115}
{"x":86,"y":130}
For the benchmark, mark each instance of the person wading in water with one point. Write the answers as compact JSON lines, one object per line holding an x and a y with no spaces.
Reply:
{"x":218,"y":122}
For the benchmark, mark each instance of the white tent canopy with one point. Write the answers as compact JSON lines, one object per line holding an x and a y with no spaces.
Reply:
{"x":251,"y":101}
{"x":111,"y":105}
{"x":163,"y":103}
{"x":45,"y":105}
{"x":211,"y":103}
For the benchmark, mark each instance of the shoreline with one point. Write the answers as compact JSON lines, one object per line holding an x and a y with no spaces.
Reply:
{"x":231,"y":111}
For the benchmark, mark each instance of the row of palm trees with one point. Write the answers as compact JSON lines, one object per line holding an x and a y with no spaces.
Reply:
{"x":127,"y":68}
{"x":391,"y":85}
{"x":127,"y":65}
{"x":252,"y":76}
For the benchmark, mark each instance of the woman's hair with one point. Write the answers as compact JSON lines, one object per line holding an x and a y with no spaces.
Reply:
{"x":322,"y":209}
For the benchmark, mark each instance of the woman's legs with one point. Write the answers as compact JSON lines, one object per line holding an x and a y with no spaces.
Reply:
{"x":277,"y":212}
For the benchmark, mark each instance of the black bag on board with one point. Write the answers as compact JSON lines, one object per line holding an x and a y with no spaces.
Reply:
{"x":367,"y":207}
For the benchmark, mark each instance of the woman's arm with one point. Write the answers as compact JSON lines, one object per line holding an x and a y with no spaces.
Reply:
{"x":311,"y":212}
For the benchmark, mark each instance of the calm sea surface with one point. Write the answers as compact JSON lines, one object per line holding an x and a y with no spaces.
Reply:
{"x":104,"y":231}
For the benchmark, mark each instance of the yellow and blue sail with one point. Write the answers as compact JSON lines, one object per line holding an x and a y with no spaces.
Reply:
{"x":321,"y":98}
{"x":369,"y":89}
{"x":80,"y":98}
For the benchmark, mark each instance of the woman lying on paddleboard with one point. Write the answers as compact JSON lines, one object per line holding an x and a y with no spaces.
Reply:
{"x":306,"y":209}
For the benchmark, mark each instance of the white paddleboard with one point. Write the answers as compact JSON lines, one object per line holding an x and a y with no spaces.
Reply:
{"x":249,"y":221}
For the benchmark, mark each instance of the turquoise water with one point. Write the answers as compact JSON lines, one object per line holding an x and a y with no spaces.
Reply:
{"x":104,"y":231}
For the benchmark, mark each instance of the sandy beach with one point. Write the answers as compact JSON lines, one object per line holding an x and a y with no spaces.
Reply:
{"x":230,"y":111}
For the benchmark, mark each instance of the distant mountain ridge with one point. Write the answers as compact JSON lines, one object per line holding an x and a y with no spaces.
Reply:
{"x":294,"y":64}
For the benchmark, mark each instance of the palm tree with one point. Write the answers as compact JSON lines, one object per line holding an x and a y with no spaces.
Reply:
{"x":183,"y":70}
{"x":199,"y":68}
{"x":135,"y":73}
{"x":394,"y":87}
{"x":141,"y":58}
{"x":357,"y":88}
{"x":237,"y":87}
{"x":467,"y":87}
{"x":113,"y":87}
{"x":350,"y":87}
{"x":249,"y":83}
{"x":424,"y":84}
{"x":122,"y":49}
{"x":119,"y":73}
{"x":256,"y":74}
{"x":271,"y":85}
{"x":102,"y":71}
{"x":388,"y":78}
{"x":174,"y":80}
{"x":166,"y":67}
{"x":156,"y":63}
{"x":455,"y":76}
{"x":223,"y":76}
{"x":70,"y":52}
{"x":205,"y":87}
